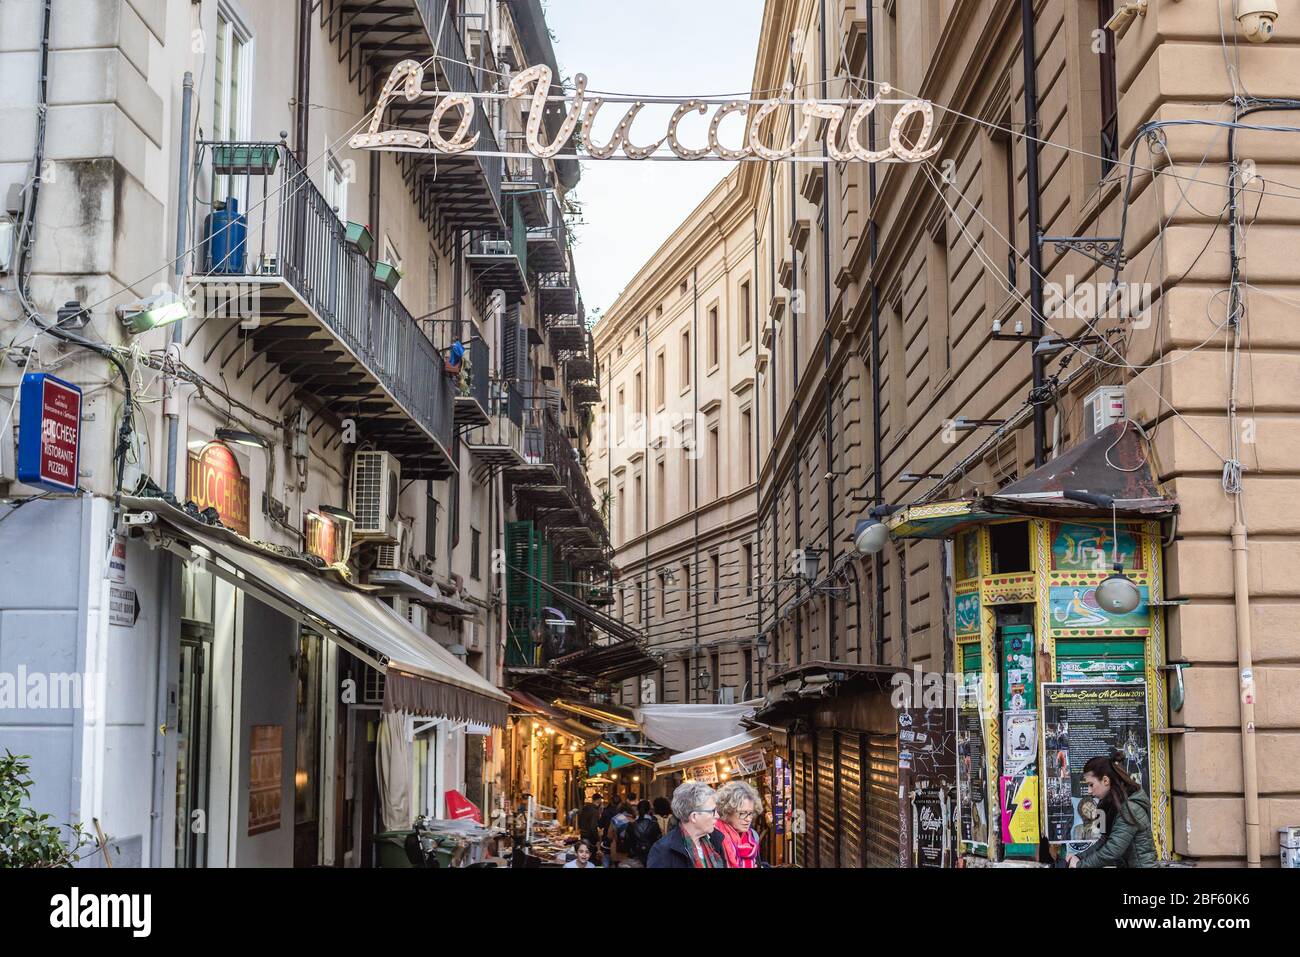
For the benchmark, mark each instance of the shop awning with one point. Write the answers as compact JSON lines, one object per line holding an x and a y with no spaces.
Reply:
{"x":797,"y":691}
{"x":1108,"y":473}
{"x":422,"y":677}
{"x":615,"y":661}
{"x":606,"y":757}
{"x":606,"y":713}
{"x":554,"y":717}
{"x":744,"y":741}
{"x":682,"y":727}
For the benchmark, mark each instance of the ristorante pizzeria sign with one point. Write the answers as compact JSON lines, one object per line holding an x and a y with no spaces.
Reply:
{"x":913,"y":120}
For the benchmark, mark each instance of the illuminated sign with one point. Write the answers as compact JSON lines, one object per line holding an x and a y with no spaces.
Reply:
{"x":216,"y":481}
{"x":534,"y":84}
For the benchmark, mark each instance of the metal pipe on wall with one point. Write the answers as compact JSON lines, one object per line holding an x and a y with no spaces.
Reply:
{"x":877,"y":446}
{"x":1033,"y":206}
{"x":170,"y":409}
{"x":826,"y":348}
{"x":302,"y":91}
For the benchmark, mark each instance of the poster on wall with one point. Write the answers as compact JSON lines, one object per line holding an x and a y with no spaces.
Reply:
{"x":778,"y":795}
{"x":1019,"y":794}
{"x":1083,"y":720}
{"x":1019,"y":740}
{"x":972,"y":793}
{"x":265,"y":777}
{"x":931,"y":827}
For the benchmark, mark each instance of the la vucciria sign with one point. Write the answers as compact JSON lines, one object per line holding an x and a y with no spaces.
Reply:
{"x":913,"y":116}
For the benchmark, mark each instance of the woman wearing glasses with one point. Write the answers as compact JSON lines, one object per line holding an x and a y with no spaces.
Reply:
{"x":735,"y":837}
{"x":688,"y":845}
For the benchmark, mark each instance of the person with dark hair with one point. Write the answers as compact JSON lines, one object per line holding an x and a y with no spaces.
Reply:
{"x":642,"y":833}
{"x":581,"y":855}
{"x":589,"y":820}
{"x":1128,"y":841}
{"x":664,"y":815}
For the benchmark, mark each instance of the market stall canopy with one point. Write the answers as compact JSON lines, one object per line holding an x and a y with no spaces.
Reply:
{"x":1109,"y":472}
{"x":554,"y":717}
{"x":797,"y":691}
{"x":606,"y":757}
{"x":682,"y":727}
{"x":615,"y":661}
{"x":744,"y":741}
{"x":422,"y":677}
{"x":606,"y":713}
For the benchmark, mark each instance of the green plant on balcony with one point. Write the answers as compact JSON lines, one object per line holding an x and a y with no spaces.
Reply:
{"x":386,"y":273}
{"x":360,"y":238}
{"x":28,"y":839}
{"x":251,"y":158}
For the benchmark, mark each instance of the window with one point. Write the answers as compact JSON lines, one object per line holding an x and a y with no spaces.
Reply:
{"x":640,"y":602}
{"x":454,"y":509}
{"x":621,"y":425}
{"x":686,"y":680}
{"x":686,"y":359}
{"x":640,"y":406}
{"x":715,"y":672}
{"x":715,"y":463}
{"x":747,"y":556}
{"x":891,"y":44}
{"x":663,"y":594}
{"x":713,"y":336}
{"x":232,"y":101}
{"x":661,"y":493}
{"x":619,"y":512}
{"x":475,"y":547}
{"x":748,"y":665}
{"x":937,"y":302}
{"x":638,"y":503}
{"x":746,"y":315}
{"x":430,"y":521}
{"x":686,"y":587}
{"x":747,"y":446}
{"x":715,"y":572}
{"x":1005,"y":168}
{"x":392,"y":256}
{"x":688,"y":481}
{"x":1109,"y":92}
{"x":336,"y":185}
{"x":660,"y":379}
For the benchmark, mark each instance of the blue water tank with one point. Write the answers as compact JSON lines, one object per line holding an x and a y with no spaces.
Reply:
{"x":225,"y":237}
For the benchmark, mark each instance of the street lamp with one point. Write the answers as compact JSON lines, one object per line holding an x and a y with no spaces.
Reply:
{"x":761,"y":647}
{"x":810,"y":560}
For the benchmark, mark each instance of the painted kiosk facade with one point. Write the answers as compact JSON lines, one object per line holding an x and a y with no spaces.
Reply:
{"x":1047,"y":676}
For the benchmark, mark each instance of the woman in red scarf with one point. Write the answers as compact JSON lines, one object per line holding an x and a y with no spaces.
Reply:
{"x":735,"y":837}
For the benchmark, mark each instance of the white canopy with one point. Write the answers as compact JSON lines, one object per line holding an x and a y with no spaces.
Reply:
{"x":681,"y":727}
{"x":746,"y":739}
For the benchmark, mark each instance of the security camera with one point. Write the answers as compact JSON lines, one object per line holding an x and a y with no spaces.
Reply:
{"x":1257,"y":19}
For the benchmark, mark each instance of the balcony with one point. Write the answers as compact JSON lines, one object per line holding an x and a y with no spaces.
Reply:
{"x":495,"y":264}
{"x":557,"y":293}
{"x":500,"y":442}
{"x":462,"y":191}
{"x":472,"y":389}
{"x":524,"y":179}
{"x":566,"y":334}
{"x":278,"y":282}
{"x":548,"y":243}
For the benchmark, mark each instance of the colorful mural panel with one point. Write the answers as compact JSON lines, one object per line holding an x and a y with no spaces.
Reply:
{"x":1079,"y":548}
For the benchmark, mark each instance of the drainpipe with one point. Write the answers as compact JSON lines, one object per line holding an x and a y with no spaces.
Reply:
{"x":693,"y":584}
{"x":771,"y":257}
{"x":1035,"y":227}
{"x":758,"y":463}
{"x":877,"y":448}
{"x":302,"y":94}
{"x":794,"y":395}
{"x":171,"y":408}
{"x":826,"y":352}
{"x":1245,"y":666}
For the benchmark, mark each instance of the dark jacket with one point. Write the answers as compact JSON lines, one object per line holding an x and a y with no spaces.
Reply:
{"x":672,"y":850}
{"x":1128,"y":841}
{"x":588,"y":820}
{"x":641,"y":836}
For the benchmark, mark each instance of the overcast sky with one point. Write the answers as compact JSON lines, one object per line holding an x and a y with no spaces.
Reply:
{"x":648,"y":47}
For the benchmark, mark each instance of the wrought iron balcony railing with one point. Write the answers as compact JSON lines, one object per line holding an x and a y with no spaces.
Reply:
{"x":269,"y":234}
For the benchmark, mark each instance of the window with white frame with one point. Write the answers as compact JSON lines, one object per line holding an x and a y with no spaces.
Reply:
{"x":336,"y":185}
{"x":232,"y":104}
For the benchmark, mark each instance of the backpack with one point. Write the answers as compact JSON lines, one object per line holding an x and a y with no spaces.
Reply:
{"x":641,"y":837}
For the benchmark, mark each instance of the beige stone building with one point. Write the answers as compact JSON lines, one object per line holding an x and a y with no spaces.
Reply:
{"x":890,"y":298}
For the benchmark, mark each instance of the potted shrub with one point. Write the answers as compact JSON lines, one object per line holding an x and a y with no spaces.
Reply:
{"x":29,"y":839}
{"x":387,"y":273}
{"x":360,"y":238}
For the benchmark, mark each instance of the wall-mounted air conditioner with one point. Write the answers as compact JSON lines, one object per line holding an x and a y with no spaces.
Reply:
{"x":393,"y":557}
{"x":376,"y":482}
{"x":1102,"y":408}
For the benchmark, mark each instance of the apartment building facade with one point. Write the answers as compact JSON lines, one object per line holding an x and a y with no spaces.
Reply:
{"x":304,"y":468}
{"x":1055,"y":302}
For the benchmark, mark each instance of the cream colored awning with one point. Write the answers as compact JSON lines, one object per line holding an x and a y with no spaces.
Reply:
{"x":744,"y":741}
{"x":422,"y":676}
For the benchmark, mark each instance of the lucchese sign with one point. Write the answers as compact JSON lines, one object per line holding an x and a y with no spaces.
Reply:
{"x":408,"y":76}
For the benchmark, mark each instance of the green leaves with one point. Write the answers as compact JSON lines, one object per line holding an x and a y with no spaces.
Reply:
{"x":28,"y":839}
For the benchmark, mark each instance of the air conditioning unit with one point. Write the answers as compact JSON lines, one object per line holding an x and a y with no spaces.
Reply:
{"x":392,"y":557}
{"x":471,"y":635}
{"x":496,"y":247}
{"x":376,"y":482}
{"x":416,"y":614}
{"x":1102,"y":408}
{"x":726,"y":695}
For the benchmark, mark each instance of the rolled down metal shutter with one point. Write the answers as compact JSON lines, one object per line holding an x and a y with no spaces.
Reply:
{"x":882,"y":800}
{"x":827,"y":825}
{"x":804,"y":829}
{"x":850,"y":800}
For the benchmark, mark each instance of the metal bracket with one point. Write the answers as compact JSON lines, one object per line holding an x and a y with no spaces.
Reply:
{"x":1105,"y":251}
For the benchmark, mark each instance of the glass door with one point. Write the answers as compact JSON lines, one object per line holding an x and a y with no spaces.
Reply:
{"x":193,"y":741}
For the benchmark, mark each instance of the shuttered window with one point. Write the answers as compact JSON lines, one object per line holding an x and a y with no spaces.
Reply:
{"x":803,"y":783}
{"x":850,"y":778}
{"x":827,"y":826}
{"x":882,"y":800}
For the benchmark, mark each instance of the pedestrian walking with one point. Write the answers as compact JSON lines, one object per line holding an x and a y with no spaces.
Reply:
{"x":589,"y":820}
{"x":735,"y":836}
{"x":643,"y":833}
{"x":696,"y":808}
{"x":1128,"y":841}
{"x":616,"y":835}
{"x":664,"y":815}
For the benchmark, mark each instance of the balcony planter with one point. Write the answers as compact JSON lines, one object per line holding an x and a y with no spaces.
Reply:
{"x":387,"y":274}
{"x":360,"y":238}
{"x":228,"y":158}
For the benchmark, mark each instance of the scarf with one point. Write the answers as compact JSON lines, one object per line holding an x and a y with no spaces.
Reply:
{"x":703,"y":853}
{"x":741,"y":849}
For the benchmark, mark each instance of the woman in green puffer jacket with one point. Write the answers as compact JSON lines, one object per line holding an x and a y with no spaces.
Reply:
{"x":1128,"y":841}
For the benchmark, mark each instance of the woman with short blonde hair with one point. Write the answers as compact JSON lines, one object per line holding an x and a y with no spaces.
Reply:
{"x":735,"y":836}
